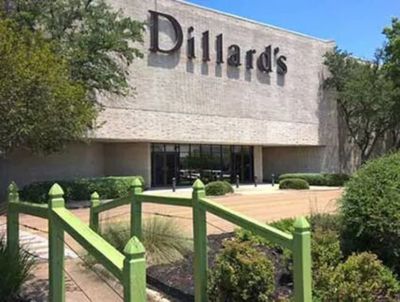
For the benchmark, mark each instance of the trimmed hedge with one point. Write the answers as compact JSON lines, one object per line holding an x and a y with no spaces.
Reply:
{"x":80,"y":189}
{"x":294,"y":183}
{"x":218,"y":188}
{"x":370,"y":207}
{"x":319,"y":179}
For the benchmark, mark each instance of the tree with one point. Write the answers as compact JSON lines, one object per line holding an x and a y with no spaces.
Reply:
{"x":56,"y":56}
{"x":365,"y":97}
{"x":97,"y":41}
{"x":40,"y":106}
{"x":391,"y":53}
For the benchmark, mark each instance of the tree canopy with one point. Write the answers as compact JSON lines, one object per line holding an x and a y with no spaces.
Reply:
{"x":40,"y":107}
{"x":366,"y":98}
{"x":97,"y":41}
{"x":391,"y":52}
{"x":55,"y":56}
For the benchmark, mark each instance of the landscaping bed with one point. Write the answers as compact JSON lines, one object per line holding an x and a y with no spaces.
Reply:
{"x":176,"y":279}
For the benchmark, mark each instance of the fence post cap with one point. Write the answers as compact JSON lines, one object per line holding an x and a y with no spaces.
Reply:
{"x":95,"y":195}
{"x":198,"y":185}
{"x":56,"y":191}
{"x":12,"y":188}
{"x":136,"y":182}
{"x":301,"y":224}
{"x":134,"y":248}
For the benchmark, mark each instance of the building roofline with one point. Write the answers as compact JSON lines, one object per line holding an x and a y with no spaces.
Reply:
{"x":255,"y":22}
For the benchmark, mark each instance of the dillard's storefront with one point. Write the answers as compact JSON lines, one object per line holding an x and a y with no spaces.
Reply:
{"x":215,"y":96}
{"x":187,"y":162}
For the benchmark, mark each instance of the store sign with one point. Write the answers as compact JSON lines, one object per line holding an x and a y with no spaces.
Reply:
{"x":263,"y":61}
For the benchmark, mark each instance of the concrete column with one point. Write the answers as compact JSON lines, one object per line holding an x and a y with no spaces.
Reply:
{"x":258,"y":163}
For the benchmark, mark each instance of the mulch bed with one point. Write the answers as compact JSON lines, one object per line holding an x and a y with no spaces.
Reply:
{"x":176,"y":279}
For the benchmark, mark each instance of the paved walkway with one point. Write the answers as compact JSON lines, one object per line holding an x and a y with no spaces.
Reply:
{"x":36,"y":244}
{"x":255,"y":203}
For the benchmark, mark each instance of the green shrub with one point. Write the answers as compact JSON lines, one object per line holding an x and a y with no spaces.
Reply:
{"x":80,"y":189}
{"x":361,"y":278}
{"x":162,"y":239}
{"x":15,"y":270}
{"x":321,"y":222}
{"x":370,"y":208}
{"x":325,"y":222}
{"x":228,"y":187}
{"x":325,"y":246}
{"x":285,"y":225}
{"x":241,"y":273}
{"x":336,"y":180}
{"x":294,"y":183}
{"x":326,"y":255}
{"x":218,"y":188}
{"x":318,"y":179}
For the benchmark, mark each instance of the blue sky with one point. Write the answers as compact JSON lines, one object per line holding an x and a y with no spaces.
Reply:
{"x":355,"y":25}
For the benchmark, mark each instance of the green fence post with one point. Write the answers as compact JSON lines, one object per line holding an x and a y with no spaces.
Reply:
{"x":302,"y":261}
{"x":56,"y":247}
{"x":12,"y":219}
{"x":134,"y":273}
{"x":136,"y":209}
{"x":93,"y":215}
{"x":200,"y":243}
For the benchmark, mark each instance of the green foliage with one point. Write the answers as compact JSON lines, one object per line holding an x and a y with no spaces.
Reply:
{"x":320,"y":222}
{"x":285,"y":225}
{"x":228,"y":187}
{"x":370,"y":208}
{"x":55,"y":57}
{"x":358,"y":278}
{"x":241,"y":273}
{"x":218,"y":188}
{"x":325,"y":246}
{"x":294,"y":183}
{"x":326,"y":255}
{"x":318,"y":179}
{"x":15,"y":270}
{"x":162,"y":239}
{"x":41,"y":108}
{"x":98,"y":42}
{"x":81,"y":189}
{"x":361,"y":278}
{"x":367,"y":99}
{"x":392,"y":50}
{"x":391,"y":65}
{"x":325,"y":222}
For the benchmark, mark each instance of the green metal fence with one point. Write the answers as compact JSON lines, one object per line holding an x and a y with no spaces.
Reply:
{"x":130,"y":267}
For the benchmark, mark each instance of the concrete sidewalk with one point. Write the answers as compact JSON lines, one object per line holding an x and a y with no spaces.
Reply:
{"x":263,"y":207}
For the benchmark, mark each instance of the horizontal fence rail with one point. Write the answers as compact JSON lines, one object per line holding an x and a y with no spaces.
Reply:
{"x":170,"y":201}
{"x":272,"y":234}
{"x":104,"y":252}
{"x":129,"y":267}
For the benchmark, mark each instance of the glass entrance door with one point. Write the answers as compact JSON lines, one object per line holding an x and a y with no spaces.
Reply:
{"x":208,"y":162}
{"x":164,"y":166}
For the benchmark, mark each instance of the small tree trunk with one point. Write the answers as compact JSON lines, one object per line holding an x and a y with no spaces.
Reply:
{"x":9,"y":6}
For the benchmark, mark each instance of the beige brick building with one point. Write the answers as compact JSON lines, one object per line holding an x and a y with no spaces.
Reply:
{"x":257,"y":113}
